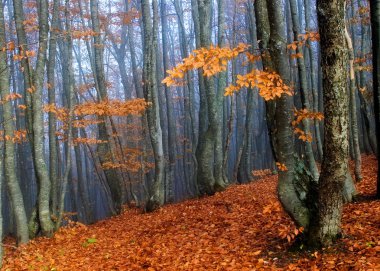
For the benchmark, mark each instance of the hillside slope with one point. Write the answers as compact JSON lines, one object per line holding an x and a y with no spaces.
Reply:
{"x":243,"y":228}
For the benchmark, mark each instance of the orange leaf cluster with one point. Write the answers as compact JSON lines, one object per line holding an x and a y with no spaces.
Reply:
{"x":19,"y":136}
{"x":212,"y":60}
{"x":281,"y":167}
{"x":90,"y":141}
{"x":270,"y":84}
{"x":112,"y":108}
{"x":11,"y":97}
{"x":302,"y":39}
{"x":131,"y":15}
{"x":301,"y":115}
{"x":60,"y":112}
{"x":82,"y":123}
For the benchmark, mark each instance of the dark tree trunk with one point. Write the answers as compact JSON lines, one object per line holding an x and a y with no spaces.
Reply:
{"x":326,"y":225}
{"x":375,"y":21}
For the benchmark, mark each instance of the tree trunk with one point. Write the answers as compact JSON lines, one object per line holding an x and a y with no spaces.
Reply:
{"x":104,"y":149}
{"x":206,"y":174}
{"x":326,"y":226}
{"x":283,"y":116}
{"x":305,"y":91}
{"x":52,"y":120}
{"x":14,"y":189}
{"x":354,"y":119}
{"x":375,"y":21}
{"x":47,"y":226}
{"x":172,"y":129}
{"x":156,"y":194}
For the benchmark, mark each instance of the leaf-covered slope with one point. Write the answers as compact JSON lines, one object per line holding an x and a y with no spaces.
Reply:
{"x":243,"y":228}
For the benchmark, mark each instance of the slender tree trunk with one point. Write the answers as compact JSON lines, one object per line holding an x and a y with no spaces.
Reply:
{"x":156,"y":198}
{"x":313,"y":77}
{"x":104,"y":150}
{"x":52,"y":120}
{"x":70,"y":96}
{"x":263,"y":34}
{"x":305,"y":91}
{"x":207,"y":182}
{"x":353,"y":111}
{"x":47,"y":226}
{"x":172,"y":132}
{"x":220,"y":176}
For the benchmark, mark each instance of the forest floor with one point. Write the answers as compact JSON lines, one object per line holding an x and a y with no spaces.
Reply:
{"x":243,"y":228}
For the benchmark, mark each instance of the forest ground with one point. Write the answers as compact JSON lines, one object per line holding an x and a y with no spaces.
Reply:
{"x":243,"y":228}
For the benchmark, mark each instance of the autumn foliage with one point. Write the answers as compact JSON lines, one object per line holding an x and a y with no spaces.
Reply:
{"x":214,"y":60}
{"x":243,"y":228}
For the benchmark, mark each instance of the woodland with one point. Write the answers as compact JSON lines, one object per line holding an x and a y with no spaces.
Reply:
{"x":189,"y":134}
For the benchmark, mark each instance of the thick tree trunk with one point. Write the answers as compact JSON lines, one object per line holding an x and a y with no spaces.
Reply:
{"x":9,"y":148}
{"x":326,"y":226}
{"x":375,"y":21}
{"x":283,"y":116}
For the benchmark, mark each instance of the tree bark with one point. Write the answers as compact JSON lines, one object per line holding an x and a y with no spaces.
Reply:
{"x":354,"y":119}
{"x":326,"y":226}
{"x":283,"y":116}
{"x":156,"y":195}
{"x":375,"y":22}
{"x":104,"y":149}
{"x":17,"y":201}
{"x":305,"y":91}
{"x":47,"y":226}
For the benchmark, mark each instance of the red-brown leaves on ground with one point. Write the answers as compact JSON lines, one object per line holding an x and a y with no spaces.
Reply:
{"x":243,"y":228}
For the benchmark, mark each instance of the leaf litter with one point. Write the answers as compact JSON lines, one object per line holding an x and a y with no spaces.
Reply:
{"x":242,"y":228}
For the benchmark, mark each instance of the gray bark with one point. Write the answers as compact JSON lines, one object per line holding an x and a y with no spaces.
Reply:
{"x":12,"y":181}
{"x":47,"y":226}
{"x":305,"y":91}
{"x":326,"y":226}
{"x":51,"y":98}
{"x":354,"y":119}
{"x":156,"y":195}
{"x":104,"y":150}
{"x":283,"y":116}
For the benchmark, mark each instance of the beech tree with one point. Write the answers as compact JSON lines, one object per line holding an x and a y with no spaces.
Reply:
{"x":326,"y":225}
{"x":375,"y":20}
